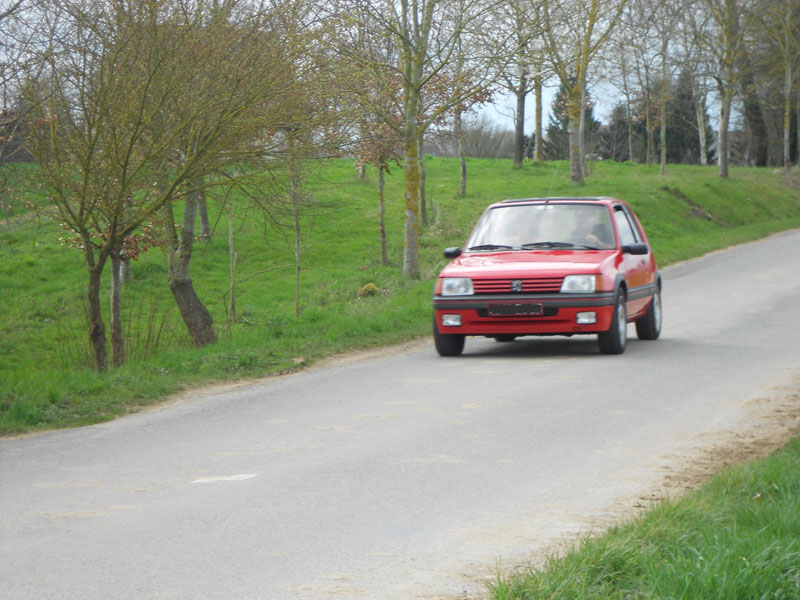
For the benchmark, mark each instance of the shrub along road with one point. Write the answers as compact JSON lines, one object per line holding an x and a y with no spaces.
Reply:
{"x":403,"y":475}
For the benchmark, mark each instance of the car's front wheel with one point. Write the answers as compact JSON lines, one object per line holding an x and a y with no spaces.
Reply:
{"x":447,"y":344}
{"x":505,"y":337}
{"x":613,"y":340}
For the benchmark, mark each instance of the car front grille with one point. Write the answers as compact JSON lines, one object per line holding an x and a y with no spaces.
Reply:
{"x":529,"y":286}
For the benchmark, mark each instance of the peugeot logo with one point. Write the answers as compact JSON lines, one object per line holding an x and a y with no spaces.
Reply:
{"x":516,"y":285}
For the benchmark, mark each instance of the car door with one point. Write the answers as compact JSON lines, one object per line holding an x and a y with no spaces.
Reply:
{"x":635,"y":268}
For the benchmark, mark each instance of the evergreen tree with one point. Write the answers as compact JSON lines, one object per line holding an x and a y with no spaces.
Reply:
{"x":556,"y":141}
{"x":683,"y":140}
{"x":613,"y":143}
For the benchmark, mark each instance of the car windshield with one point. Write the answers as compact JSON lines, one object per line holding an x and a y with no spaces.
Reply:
{"x":544,"y":226}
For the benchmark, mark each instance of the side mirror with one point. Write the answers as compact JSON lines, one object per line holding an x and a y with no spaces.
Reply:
{"x":452,"y":252}
{"x":638,"y":248}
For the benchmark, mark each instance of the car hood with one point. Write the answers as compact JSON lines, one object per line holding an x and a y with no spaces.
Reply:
{"x":549,"y":263}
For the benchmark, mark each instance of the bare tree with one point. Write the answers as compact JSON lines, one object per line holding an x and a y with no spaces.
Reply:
{"x":620,"y":60}
{"x":17,"y":48}
{"x":696,"y":64}
{"x":665,"y":19}
{"x":376,"y":94}
{"x":722,"y":37}
{"x":779,"y":20}
{"x":426,"y":33}
{"x":523,"y":72}
{"x":133,"y":108}
{"x":250,"y":57}
{"x":644,"y":47}
{"x":575,"y":31}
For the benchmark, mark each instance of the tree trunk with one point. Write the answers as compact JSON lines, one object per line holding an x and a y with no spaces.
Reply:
{"x":194,"y":313}
{"x":663,"y":135}
{"x":117,"y":340}
{"x":701,"y":133}
{"x":423,"y":206}
{"x":179,"y":255}
{"x":412,"y":66}
{"x":725,"y":116}
{"x":787,"y":116}
{"x":125,"y":269}
{"x":411,"y":226}
{"x":538,"y":153}
{"x":459,"y":134}
{"x":648,"y":126}
{"x":294,"y":191}
{"x":233,"y":256}
{"x":97,"y":329}
{"x":519,"y":123}
{"x":202,"y":209}
{"x":699,"y":108}
{"x":462,"y":159}
{"x":382,"y":211}
{"x":663,"y":109}
{"x":628,"y":115}
{"x":582,"y":133}
{"x":574,"y":113}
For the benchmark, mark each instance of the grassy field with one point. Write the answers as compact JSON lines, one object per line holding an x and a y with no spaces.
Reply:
{"x":738,"y":537}
{"x":45,"y":375}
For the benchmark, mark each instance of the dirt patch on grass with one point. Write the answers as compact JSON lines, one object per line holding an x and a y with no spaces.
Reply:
{"x":696,"y":211}
{"x":774,"y":420}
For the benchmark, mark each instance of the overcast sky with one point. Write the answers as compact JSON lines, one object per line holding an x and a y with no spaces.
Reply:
{"x":604,"y":95}
{"x":504,"y":107}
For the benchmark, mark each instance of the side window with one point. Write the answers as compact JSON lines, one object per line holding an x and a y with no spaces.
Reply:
{"x":637,"y":233}
{"x":626,"y":232}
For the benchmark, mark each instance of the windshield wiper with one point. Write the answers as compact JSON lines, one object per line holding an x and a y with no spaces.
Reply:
{"x":556,"y":245}
{"x":547,"y":245}
{"x":490,"y":247}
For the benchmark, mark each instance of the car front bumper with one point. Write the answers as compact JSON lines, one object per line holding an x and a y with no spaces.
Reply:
{"x":524,"y":314}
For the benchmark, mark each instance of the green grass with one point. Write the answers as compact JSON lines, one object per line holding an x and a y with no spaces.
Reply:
{"x":45,"y":375}
{"x":737,"y":537}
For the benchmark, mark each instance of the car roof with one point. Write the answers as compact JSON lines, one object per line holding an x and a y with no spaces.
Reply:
{"x":563,"y":199}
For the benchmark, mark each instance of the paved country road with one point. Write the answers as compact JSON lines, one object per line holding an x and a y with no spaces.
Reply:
{"x":404,"y":475}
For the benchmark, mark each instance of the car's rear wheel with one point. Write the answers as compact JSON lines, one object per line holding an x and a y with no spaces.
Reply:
{"x":649,"y":326}
{"x":447,"y":344}
{"x":613,"y":340}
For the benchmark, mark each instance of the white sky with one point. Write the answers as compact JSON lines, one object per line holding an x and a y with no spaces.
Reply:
{"x":604,"y":95}
{"x":504,"y":107}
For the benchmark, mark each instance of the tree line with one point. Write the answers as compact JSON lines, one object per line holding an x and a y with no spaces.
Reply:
{"x":130,"y":107}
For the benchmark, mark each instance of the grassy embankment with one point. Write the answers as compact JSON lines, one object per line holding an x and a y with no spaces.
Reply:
{"x":45,"y":379}
{"x":738,"y":537}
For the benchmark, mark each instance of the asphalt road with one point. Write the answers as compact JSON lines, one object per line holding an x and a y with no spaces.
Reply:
{"x":401,"y":475}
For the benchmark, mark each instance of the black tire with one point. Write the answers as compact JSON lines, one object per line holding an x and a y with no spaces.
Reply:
{"x":506,"y":337}
{"x":448,"y":344}
{"x":649,"y":326}
{"x":613,"y":340}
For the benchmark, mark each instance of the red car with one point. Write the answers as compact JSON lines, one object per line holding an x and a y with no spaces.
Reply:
{"x":550,"y":266}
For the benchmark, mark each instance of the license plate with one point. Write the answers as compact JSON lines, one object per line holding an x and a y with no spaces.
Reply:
{"x":510,"y":310}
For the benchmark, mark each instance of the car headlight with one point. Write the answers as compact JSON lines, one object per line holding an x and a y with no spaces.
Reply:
{"x":579,"y":284}
{"x":457,"y":286}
